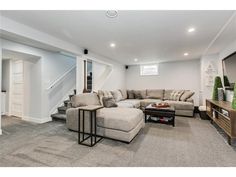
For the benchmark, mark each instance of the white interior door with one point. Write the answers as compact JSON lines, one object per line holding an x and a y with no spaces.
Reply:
{"x":17,"y":88}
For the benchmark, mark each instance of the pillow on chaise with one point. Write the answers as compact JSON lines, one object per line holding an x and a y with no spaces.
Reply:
{"x":186,"y":95}
{"x":117,"y":95}
{"x":109,"y":102}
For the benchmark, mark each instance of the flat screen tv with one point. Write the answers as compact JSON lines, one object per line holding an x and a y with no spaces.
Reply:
{"x":229,"y":71}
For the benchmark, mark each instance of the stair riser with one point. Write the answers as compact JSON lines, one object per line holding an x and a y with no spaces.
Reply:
{"x":62,"y":111}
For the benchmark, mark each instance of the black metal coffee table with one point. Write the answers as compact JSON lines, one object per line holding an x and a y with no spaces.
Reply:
{"x":162,"y":115}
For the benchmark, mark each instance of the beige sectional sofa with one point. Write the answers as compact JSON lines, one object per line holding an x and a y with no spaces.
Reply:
{"x":116,"y":123}
{"x":183,"y":107}
{"x":125,"y":121}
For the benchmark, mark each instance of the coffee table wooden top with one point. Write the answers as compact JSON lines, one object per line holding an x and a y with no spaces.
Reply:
{"x":154,"y":108}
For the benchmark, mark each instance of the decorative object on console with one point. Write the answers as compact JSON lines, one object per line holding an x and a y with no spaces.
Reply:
{"x":226,"y":81}
{"x":217,"y":84}
{"x":234,"y":98}
{"x":221,"y":94}
{"x":210,"y":73}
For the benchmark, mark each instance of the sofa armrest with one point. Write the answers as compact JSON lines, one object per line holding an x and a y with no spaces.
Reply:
{"x":190,"y":100}
{"x":72,"y":118}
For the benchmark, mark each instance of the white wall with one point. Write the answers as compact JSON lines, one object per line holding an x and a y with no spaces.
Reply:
{"x":51,"y":66}
{"x":216,"y":59}
{"x":6,"y":80}
{"x":107,"y":74}
{"x":172,"y":75}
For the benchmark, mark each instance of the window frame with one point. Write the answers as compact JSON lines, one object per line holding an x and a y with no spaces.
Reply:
{"x":142,"y":73}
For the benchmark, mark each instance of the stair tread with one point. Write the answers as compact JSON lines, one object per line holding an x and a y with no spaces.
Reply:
{"x":62,"y":108}
{"x":58,"y":116}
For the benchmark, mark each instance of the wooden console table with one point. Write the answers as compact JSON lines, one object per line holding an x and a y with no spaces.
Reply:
{"x":224,"y":116}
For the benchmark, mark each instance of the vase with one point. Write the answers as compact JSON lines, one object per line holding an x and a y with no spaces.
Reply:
{"x":220,"y":94}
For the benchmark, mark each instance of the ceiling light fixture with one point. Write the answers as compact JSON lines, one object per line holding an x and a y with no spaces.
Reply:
{"x":135,"y":59}
{"x":186,"y":54}
{"x":190,"y":30}
{"x":112,"y":13}
{"x":112,"y":45}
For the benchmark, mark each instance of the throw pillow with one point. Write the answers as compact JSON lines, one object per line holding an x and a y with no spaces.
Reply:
{"x":186,"y":95}
{"x":176,"y":94}
{"x":124,"y":94}
{"x":103,"y":93}
{"x":117,"y":95}
{"x":137,"y":94}
{"x":130,"y":94}
{"x":109,"y":102}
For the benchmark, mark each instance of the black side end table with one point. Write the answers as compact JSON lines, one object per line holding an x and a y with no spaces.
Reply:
{"x":94,"y":138}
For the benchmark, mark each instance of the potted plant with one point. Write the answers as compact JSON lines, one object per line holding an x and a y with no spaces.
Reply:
{"x":217,"y":84}
{"x":234,"y":98}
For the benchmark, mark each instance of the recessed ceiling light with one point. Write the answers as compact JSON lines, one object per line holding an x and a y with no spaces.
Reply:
{"x":185,"y":54}
{"x":135,"y":59}
{"x":112,"y":45}
{"x":112,"y":13}
{"x":190,"y":30}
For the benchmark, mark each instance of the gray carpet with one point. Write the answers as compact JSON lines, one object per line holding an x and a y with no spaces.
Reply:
{"x":193,"y":142}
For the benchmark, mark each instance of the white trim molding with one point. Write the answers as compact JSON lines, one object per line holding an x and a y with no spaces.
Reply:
{"x":37,"y":120}
{"x":0,"y":131}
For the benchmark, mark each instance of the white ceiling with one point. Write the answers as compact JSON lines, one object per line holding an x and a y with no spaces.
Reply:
{"x":150,"y":36}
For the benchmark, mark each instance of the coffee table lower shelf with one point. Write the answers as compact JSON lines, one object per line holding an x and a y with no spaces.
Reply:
{"x":162,"y":115}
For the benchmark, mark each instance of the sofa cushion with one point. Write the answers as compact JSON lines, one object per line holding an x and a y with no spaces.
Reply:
{"x":103,"y":93}
{"x":140,"y":94}
{"x":181,"y":105}
{"x":167,"y":94}
{"x":134,"y":102}
{"x":186,"y":95}
{"x":176,"y":94}
{"x":85,"y":99}
{"x":155,"y":93}
{"x":144,"y":103}
{"x":109,"y":102}
{"x":117,"y":95}
{"x":124,"y":119}
{"x":124,"y":93}
{"x":130,"y":94}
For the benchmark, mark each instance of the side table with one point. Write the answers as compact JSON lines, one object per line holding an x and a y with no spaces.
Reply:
{"x":94,"y":138}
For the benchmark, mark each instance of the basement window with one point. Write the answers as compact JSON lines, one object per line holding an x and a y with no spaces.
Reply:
{"x":149,"y":70}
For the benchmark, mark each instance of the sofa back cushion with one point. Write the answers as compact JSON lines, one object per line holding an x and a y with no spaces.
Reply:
{"x":130,"y":94}
{"x":117,"y":95}
{"x":176,"y":94}
{"x":140,"y":94}
{"x":186,"y":95}
{"x":109,"y":102}
{"x":124,"y":93}
{"x":85,"y":99}
{"x":167,"y":94}
{"x":155,"y":93}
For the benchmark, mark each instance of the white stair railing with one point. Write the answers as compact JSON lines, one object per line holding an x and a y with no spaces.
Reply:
{"x":57,"y":81}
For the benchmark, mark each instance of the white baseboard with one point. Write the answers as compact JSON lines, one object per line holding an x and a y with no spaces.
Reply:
{"x":0,"y":131}
{"x":37,"y":120}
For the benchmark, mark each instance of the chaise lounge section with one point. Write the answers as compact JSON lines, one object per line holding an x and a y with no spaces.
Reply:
{"x":116,"y":123}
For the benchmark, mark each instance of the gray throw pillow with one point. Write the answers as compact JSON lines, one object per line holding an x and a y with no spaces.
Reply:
{"x":130,"y":94}
{"x":186,"y":95}
{"x":137,"y":95}
{"x":109,"y":102}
